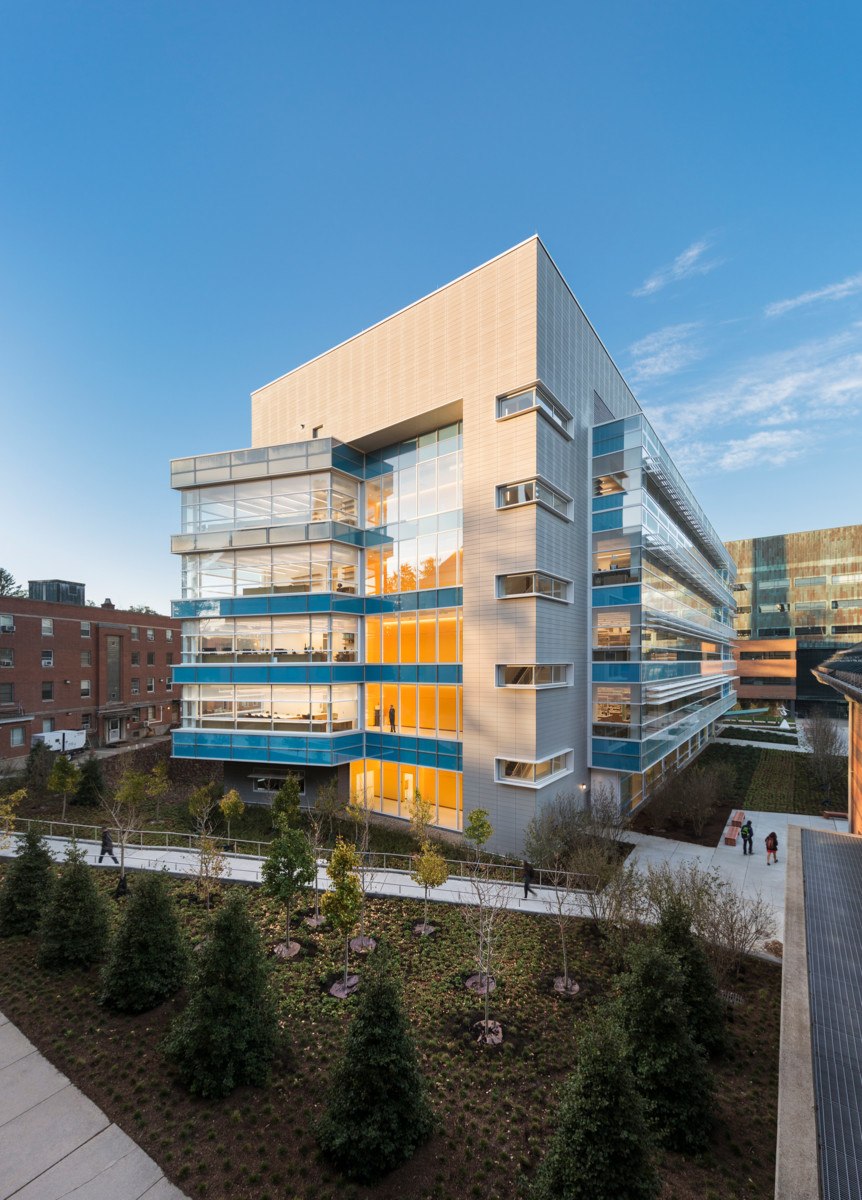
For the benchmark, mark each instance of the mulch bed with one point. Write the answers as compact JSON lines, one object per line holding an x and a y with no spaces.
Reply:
{"x":495,"y":1104}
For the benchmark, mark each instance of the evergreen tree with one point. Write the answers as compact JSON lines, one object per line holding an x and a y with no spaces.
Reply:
{"x":147,"y":960}
{"x":602,"y":1149}
{"x":705,"y":1011}
{"x":75,"y":925}
{"x":26,"y":887}
{"x":37,"y":769}
{"x":227,"y":1034}
{"x":91,"y":783}
{"x":378,"y":1112}
{"x":669,"y":1068}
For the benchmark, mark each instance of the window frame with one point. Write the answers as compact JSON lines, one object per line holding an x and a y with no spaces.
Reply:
{"x":86,"y":629}
{"x":532,"y":686}
{"x":536,"y":573}
{"x":11,"y":652}
{"x":537,"y":399}
{"x":47,"y":626}
{"x":535,"y":784}
{"x":17,"y":736}
{"x":538,"y":485}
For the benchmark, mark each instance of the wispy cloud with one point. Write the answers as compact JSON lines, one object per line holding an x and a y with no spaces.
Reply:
{"x":690,"y":262}
{"x":833,"y":291}
{"x":665,"y":352}
{"x":778,"y":402}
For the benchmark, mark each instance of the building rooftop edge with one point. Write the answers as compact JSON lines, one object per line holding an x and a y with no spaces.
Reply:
{"x":763,"y":537}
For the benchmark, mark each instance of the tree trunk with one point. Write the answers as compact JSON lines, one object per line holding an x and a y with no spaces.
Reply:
{"x":288,"y":926}
{"x":63,"y":818}
{"x":425,"y":918}
{"x":346,"y":957}
{"x":565,"y":955}
{"x":122,"y":858}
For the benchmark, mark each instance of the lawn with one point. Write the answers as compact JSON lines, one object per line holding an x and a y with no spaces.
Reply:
{"x":772,"y":780}
{"x":495,"y":1106}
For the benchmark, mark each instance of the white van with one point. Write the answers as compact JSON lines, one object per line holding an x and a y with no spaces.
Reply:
{"x":66,"y":741}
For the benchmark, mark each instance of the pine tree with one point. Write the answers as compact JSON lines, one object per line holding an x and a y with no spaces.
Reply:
{"x":75,"y":926}
{"x":91,"y":783}
{"x":26,"y":887}
{"x":147,"y":960}
{"x":705,"y":1011}
{"x":669,"y":1068}
{"x":378,"y":1112}
{"x":601,"y":1149}
{"x":227,"y":1034}
{"x":38,"y":768}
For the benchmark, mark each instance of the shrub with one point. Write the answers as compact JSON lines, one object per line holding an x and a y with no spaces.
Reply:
{"x":601,"y":1148}
{"x":227,"y":1033}
{"x":26,"y":887}
{"x":705,"y":1011}
{"x":75,"y":925}
{"x":147,"y":959}
{"x":669,"y":1068}
{"x":285,"y":804}
{"x":378,"y":1113}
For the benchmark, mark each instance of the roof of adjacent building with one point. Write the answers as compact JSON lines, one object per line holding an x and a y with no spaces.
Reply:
{"x":843,"y":672}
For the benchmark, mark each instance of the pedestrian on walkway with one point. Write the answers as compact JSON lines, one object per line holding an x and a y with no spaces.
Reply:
{"x":747,"y":835}
{"x":391,"y":718}
{"x":529,"y":876}
{"x":771,"y":848}
{"x":107,"y":847}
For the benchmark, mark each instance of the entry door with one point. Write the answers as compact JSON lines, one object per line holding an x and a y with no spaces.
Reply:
{"x":113,"y":729}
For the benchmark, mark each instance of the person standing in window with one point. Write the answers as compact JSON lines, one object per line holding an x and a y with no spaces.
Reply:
{"x":391,"y":718}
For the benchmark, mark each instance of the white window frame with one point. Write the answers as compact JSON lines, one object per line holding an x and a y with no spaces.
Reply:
{"x":151,"y":684}
{"x":47,"y":626}
{"x":534,"y":571}
{"x":151,"y":635}
{"x":7,"y":623}
{"x":568,"y":670}
{"x":534,"y":784}
{"x":48,"y":659}
{"x":538,"y":485}
{"x":86,"y":629}
{"x":169,"y":635}
{"x":135,"y":689}
{"x":275,"y":778}
{"x":536,"y":398}
{"x":7,"y":650}
{"x":86,"y":689}
{"x":17,"y":736}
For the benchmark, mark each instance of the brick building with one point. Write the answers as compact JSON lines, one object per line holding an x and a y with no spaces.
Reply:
{"x":70,"y":666}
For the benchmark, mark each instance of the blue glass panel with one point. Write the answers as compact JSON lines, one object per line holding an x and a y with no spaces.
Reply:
{"x":258,"y":674}
{"x":424,"y":759}
{"x":616,"y":672}
{"x":450,"y":597}
{"x":373,"y":745}
{"x":183,"y":738}
{"x":390,"y":751}
{"x":373,"y":672}
{"x":607,"y":596}
{"x":293,"y":745}
{"x":449,"y":673}
{"x":183,"y":751}
{"x":347,"y":673}
{"x":289,"y":604}
{"x":319,"y":602}
{"x":319,"y":674}
{"x":250,"y":605}
{"x":322,"y":755}
{"x":214,"y":674}
{"x":427,"y":673}
{"x":220,"y":740}
{"x":185,"y":674}
{"x":249,"y":754}
{"x":408,"y":746}
{"x":256,"y":741}
{"x":349,"y":604}
{"x":611,"y":520}
{"x":204,"y":751}
{"x":615,"y":762}
{"x":603,"y":503}
{"x":449,"y":747}
{"x":389,"y":672}
{"x":409,"y":672}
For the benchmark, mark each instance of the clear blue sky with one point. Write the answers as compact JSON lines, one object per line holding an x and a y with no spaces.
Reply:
{"x":195,"y":197}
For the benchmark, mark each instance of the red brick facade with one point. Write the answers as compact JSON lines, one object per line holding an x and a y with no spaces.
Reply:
{"x":45,"y":672}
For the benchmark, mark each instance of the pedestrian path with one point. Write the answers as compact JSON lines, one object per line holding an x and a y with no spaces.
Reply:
{"x":55,"y":1143}
{"x":749,"y":872}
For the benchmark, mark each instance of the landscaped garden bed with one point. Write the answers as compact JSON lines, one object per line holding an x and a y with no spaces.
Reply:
{"x":495,"y":1106}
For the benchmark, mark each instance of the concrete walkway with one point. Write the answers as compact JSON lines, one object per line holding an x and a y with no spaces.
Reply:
{"x":56,"y":1143}
{"x":750,"y":872}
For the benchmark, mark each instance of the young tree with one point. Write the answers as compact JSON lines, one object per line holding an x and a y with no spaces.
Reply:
{"x":147,"y":959}
{"x":321,"y":817}
{"x":91,"y":783}
{"x":74,"y":930}
{"x":227,"y":1034}
{"x":232,"y":807}
{"x":286,"y":804}
{"x":670,"y":1069}
{"x":377,"y":1113}
{"x":421,"y":812}
{"x":430,"y":870}
{"x":478,"y":830}
{"x":158,"y":785}
{"x":125,"y":809}
{"x":38,"y":769}
{"x":342,"y":904}
{"x":212,"y":866}
{"x":359,"y":812}
{"x":64,"y":778}
{"x":601,"y":1148}
{"x":826,"y":745}
{"x":26,"y":887}
{"x":549,"y":840}
{"x":491,"y":896}
{"x":8,"y":804}
{"x":288,"y":868}
{"x":705,"y":1012}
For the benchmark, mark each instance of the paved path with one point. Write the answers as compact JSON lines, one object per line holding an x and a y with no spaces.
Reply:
{"x":56,"y":1143}
{"x":750,"y":872}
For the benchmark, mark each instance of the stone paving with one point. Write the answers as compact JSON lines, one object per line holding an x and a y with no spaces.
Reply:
{"x":55,"y":1143}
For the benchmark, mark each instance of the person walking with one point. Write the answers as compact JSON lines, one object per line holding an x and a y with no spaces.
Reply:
{"x":529,"y":876}
{"x":391,"y":718}
{"x":771,"y":848}
{"x":747,"y":835}
{"x":107,"y":847}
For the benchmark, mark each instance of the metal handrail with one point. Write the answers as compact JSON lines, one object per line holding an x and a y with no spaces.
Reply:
{"x":370,"y":860}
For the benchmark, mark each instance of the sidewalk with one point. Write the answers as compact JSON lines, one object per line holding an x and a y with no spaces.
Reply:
{"x":54,"y":1142}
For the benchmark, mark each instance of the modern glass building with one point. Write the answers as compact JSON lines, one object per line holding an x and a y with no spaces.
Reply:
{"x":395,"y":584}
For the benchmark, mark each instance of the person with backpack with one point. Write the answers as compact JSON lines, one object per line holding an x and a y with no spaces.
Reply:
{"x":771,"y":848}
{"x":529,"y":876}
{"x":747,"y":835}
{"x":107,"y":847}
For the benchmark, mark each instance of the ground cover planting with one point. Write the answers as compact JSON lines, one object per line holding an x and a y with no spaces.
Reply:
{"x":494,"y":1107}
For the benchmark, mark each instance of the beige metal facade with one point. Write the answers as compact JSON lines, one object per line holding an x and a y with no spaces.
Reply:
{"x":504,"y":326}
